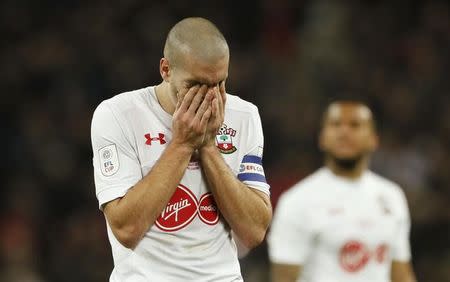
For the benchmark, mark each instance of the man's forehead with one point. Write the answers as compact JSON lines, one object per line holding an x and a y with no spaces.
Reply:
{"x":356,"y":110}
{"x":207,"y":72}
{"x":209,"y":79}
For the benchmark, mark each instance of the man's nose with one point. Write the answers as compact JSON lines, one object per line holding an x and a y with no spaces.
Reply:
{"x":343,"y":130}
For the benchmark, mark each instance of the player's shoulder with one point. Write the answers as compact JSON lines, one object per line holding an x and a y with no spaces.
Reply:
{"x":307,"y":189}
{"x":385,"y":185}
{"x":237,"y":104}
{"x":312,"y":183}
{"x":123,"y":102}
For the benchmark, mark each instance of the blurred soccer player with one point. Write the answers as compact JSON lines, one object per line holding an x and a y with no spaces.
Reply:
{"x":178,"y":167}
{"x":343,"y":223}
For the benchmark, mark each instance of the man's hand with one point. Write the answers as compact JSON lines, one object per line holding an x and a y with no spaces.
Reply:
{"x":191,"y":116}
{"x":217,"y":116}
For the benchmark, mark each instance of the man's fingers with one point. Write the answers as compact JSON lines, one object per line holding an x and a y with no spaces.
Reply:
{"x":221,"y":97}
{"x":205,"y":118}
{"x":179,"y":101}
{"x":215,"y":106}
{"x":220,"y":104}
{"x":180,"y":96}
{"x":197,"y":99}
{"x":223,"y":93}
{"x":205,"y":105}
{"x":183,"y":92}
{"x":188,"y":97}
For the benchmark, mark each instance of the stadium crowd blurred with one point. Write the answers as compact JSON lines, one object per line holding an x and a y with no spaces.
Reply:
{"x":59,"y":59}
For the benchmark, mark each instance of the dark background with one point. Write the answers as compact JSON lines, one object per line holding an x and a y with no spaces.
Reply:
{"x":59,"y":59}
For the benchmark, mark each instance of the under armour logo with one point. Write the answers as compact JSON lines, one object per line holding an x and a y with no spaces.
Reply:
{"x":160,"y":138}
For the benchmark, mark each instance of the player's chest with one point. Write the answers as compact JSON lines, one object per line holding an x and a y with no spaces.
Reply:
{"x":357,"y":228}
{"x":347,"y":215}
{"x":151,"y":138}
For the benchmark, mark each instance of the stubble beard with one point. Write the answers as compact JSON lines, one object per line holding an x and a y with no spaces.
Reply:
{"x":347,"y":164}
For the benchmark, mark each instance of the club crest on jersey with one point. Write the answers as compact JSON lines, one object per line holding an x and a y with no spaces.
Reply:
{"x":224,"y":139}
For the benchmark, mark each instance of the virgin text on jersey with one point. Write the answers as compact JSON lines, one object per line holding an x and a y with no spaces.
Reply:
{"x":183,"y":207}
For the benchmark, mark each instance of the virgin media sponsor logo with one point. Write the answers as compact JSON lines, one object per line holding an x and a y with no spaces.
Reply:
{"x":354,"y":256}
{"x":179,"y":211}
{"x":381,"y":253}
{"x":183,"y":207}
{"x":207,"y":209}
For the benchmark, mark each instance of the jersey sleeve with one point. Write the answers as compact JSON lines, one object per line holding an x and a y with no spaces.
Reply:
{"x":116,"y":166}
{"x":291,"y":237}
{"x":401,"y":250}
{"x":251,"y":170}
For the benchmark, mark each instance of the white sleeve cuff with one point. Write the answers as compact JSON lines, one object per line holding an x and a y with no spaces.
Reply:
{"x":263,"y":187}
{"x":111,"y":193}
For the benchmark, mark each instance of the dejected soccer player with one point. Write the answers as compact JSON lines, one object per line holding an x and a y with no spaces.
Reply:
{"x":178,"y":167}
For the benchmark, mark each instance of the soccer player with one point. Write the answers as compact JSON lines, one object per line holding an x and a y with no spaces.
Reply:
{"x":178,"y":167}
{"x":343,"y":223}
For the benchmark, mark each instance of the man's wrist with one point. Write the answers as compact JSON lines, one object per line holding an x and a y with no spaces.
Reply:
{"x":208,"y":149}
{"x":180,"y":148}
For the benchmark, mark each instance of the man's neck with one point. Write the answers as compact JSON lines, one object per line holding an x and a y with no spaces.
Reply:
{"x":163,"y":95}
{"x":352,"y":174}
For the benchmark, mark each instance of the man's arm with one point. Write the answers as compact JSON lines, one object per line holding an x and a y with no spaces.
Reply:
{"x":401,"y":268}
{"x":402,"y":272}
{"x":291,"y":237}
{"x":285,"y":272}
{"x":246,"y":210}
{"x":131,"y":216}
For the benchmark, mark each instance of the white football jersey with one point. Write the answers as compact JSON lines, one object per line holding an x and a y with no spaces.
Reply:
{"x":189,"y":241}
{"x":341,"y":230}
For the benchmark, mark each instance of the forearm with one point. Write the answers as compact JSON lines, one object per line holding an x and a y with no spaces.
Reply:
{"x":402,"y":272}
{"x":132,"y":215}
{"x":285,"y":272}
{"x":247,"y":211}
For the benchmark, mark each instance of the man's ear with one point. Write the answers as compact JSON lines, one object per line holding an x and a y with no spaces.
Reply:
{"x":164,"y":69}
